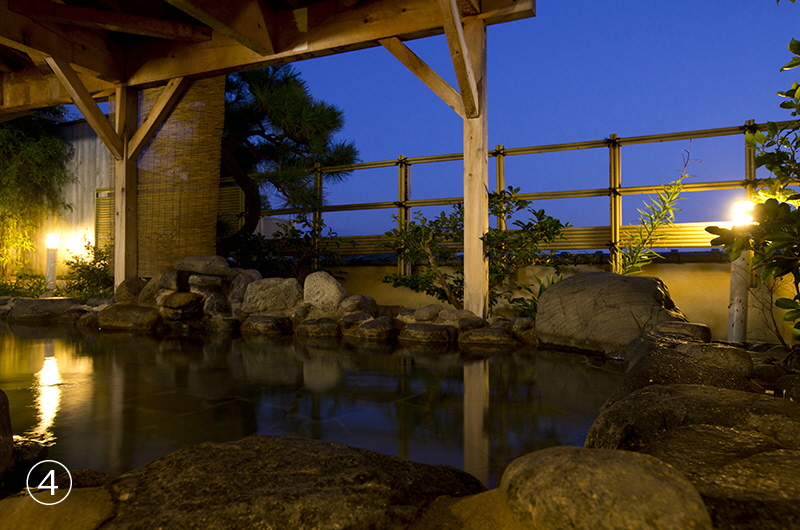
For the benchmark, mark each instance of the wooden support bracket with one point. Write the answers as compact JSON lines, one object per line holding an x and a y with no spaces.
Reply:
{"x":425,"y":73}
{"x":459,"y":53}
{"x":88,"y":107}
{"x":161,"y":110}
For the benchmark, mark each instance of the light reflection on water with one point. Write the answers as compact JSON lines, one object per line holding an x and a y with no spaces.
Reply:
{"x":111,"y":402}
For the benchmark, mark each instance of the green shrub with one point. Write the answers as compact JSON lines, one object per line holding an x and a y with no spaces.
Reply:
{"x":27,"y":284}
{"x":90,"y":276}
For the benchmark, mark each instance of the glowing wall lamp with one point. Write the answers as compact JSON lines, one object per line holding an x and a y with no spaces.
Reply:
{"x":51,"y":242}
{"x":740,"y":278}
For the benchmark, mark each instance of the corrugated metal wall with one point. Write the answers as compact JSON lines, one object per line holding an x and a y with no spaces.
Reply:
{"x":93,"y":166}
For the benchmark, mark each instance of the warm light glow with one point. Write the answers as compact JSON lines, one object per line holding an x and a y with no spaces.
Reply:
{"x":742,"y":213}
{"x":48,"y":401}
{"x":51,"y":241}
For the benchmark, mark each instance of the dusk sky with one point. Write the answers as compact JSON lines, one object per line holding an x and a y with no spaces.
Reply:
{"x":577,"y":71}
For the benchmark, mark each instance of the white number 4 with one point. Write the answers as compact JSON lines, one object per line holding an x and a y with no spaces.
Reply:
{"x":51,"y":476}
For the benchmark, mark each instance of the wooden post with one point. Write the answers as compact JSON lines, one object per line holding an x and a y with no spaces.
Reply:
{"x":500,"y":179}
{"x":403,"y":211}
{"x":126,"y":255}
{"x":615,"y":200}
{"x":476,"y":179}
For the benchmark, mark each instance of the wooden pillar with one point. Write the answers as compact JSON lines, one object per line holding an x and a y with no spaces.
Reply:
{"x":476,"y":179}
{"x":125,"y":193}
{"x":615,"y":201}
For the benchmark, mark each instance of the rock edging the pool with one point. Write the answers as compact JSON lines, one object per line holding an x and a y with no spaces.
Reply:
{"x":203,"y":293}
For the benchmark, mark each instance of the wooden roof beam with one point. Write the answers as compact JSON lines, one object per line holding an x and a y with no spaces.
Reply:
{"x":248,"y":22}
{"x":75,"y":46}
{"x":108,"y":20}
{"x":425,"y":73}
{"x":459,"y":53}
{"x":88,"y":107}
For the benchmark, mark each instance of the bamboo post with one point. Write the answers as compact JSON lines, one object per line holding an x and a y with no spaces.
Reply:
{"x":500,"y":179}
{"x":741,"y":274}
{"x":316,"y":215}
{"x":615,"y":200}
{"x":403,"y":211}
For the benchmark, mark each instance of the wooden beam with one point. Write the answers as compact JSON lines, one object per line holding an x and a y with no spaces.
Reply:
{"x":161,"y":110}
{"x":90,"y":51}
{"x":83,"y":100}
{"x":425,"y":73}
{"x":476,"y":180}
{"x":126,"y":242}
{"x":30,"y":89}
{"x":108,"y":20}
{"x":248,"y":22}
{"x":454,"y":31}
{"x":326,"y":32}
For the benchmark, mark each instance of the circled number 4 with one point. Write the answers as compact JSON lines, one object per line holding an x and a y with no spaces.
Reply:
{"x":51,"y":476}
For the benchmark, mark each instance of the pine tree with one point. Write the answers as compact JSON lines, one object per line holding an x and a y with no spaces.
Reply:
{"x":275,"y":133}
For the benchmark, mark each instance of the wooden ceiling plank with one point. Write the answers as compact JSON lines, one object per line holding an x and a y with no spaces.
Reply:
{"x":156,"y":62}
{"x":459,"y":53}
{"x":92,"y":52}
{"x":161,"y":110}
{"x":248,"y":22}
{"x":425,"y":73}
{"x":88,"y":107}
{"x":108,"y":20}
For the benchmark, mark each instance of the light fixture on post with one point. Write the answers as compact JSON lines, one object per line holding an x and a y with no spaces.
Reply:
{"x":51,"y":242}
{"x":740,"y":278}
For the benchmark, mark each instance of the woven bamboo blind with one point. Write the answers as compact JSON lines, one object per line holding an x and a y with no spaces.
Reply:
{"x":179,"y":177}
{"x":104,"y":218}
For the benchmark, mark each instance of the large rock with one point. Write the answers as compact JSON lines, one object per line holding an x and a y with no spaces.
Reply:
{"x":128,"y":317}
{"x":272,"y":294}
{"x":211,"y":265}
{"x":318,"y":328}
{"x":572,"y":487}
{"x":42,"y":310}
{"x":281,"y":482}
{"x":600,"y":311}
{"x":635,"y":419}
{"x":323,"y":291}
{"x":239,"y":280}
{"x":6,"y":435}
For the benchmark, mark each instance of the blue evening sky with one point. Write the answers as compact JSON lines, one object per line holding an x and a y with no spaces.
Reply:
{"x":577,"y":71}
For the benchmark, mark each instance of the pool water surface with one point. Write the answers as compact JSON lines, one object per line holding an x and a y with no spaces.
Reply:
{"x":111,"y":402}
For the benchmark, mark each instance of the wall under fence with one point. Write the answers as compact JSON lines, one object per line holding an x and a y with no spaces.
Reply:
{"x":699,"y":285}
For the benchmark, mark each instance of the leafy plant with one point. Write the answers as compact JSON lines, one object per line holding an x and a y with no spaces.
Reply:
{"x":294,"y":251}
{"x":636,"y":250}
{"x":434,"y":245}
{"x":90,"y":276}
{"x":526,"y":306}
{"x":33,"y":159}
{"x":774,"y":236}
{"x":27,"y":284}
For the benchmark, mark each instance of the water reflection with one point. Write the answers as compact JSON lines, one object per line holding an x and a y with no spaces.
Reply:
{"x":116,"y":401}
{"x":48,"y":397}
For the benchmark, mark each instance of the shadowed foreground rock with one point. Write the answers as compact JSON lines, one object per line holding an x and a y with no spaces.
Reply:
{"x":281,"y":482}
{"x":740,"y":450}
{"x":572,"y":487}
